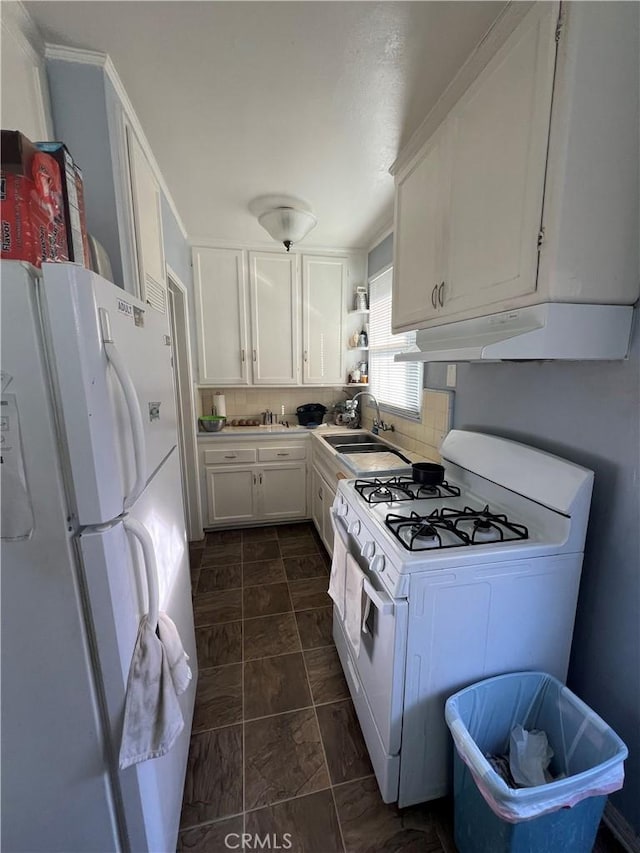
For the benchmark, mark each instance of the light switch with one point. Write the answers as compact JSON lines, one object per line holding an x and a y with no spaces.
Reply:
{"x":451,"y":376}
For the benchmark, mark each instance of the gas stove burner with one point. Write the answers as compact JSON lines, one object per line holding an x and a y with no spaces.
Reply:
{"x":422,"y":530}
{"x":425,"y":532}
{"x":442,"y":490}
{"x":485,"y":526}
{"x":402,"y":489}
{"x":384,"y":491}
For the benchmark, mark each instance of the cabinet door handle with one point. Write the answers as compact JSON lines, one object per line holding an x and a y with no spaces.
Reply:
{"x":305,"y":356}
{"x":254,"y":355}
{"x":230,"y":456}
{"x":260,"y":479}
{"x":255,"y":480}
{"x":242,"y":355}
{"x":320,"y":493}
{"x":434,"y":296}
{"x":282,"y":454}
{"x":441,"y":294}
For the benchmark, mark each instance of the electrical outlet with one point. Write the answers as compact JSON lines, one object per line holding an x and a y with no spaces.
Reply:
{"x":451,"y":376}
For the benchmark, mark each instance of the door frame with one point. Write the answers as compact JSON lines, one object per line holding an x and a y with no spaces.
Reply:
{"x":187,"y":434}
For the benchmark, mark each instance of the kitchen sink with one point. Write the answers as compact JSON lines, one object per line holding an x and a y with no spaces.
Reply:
{"x":357,"y":438}
{"x":361,"y":444}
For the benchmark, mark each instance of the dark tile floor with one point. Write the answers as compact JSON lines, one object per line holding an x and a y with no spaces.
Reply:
{"x":276,"y":746}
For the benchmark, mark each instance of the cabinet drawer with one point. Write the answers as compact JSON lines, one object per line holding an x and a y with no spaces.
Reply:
{"x":229,"y":456}
{"x":277,"y":454}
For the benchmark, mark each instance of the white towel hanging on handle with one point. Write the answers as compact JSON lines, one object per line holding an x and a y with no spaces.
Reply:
{"x":158,"y":673}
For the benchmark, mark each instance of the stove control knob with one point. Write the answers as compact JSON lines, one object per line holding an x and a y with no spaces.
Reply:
{"x":354,"y":528}
{"x":342,"y":509}
{"x":377,"y":564}
{"x":368,"y":550}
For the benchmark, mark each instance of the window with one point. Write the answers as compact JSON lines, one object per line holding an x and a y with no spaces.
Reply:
{"x":396,"y":385}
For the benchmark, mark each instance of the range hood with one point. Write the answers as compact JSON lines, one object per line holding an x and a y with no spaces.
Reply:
{"x":551,"y":330}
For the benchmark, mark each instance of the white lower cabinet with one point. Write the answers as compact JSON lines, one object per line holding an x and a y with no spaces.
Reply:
{"x":240,"y":491}
{"x":231,"y":494}
{"x":283,"y":492}
{"x":322,"y":496}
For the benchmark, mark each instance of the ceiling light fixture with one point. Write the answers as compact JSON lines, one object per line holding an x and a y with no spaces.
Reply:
{"x":288,"y":225}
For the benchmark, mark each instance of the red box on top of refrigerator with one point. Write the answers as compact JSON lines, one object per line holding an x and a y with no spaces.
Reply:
{"x":73,"y":197}
{"x":33,"y":227}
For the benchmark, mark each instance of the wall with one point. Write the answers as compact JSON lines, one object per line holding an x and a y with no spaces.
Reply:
{"x":78,"y":100}
{"x":587,"y":413}
{"x":24,"y":102}
{"x":177,"y":254}
{"x":380,"y":256}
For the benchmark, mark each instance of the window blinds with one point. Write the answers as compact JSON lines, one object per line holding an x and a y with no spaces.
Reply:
{"x":397,"y":385}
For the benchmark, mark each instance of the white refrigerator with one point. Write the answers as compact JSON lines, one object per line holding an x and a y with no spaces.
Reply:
{"x":87,"y":438}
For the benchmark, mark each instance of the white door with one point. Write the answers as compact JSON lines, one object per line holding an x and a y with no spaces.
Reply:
{"x":98,"y":423}
{"x":419,"y":256}
{"x":323,"y":286}
{"x":275,"y":318}
{"x":283,"y":491}
{"x":147,"y":216}
{"x":115,"y":576}
{"x":499,"y":132}
{"x":220,"y":282}
{"x":231,"y":494}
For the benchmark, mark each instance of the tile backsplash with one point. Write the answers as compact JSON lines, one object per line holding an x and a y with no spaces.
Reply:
{"x":422,"y":436}
{"x":251,"y":402}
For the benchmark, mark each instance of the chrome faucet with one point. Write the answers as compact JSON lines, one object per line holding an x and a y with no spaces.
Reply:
{"x":378,"y":423}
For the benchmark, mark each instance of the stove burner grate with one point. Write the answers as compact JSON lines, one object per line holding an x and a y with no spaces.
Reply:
{"x":425,"y":532}
{"x":381,"y":491}
{"x":402,"y":489}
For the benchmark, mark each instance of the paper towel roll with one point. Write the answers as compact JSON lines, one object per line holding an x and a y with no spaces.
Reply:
{"x":220,"y":404}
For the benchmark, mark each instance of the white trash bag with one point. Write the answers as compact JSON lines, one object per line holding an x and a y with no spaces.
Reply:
{"x":529,"y":757}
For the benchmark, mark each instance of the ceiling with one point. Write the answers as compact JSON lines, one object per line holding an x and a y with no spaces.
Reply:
{"x":310,"y":99}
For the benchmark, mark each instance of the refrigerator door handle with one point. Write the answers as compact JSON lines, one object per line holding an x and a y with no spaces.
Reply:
{"x":133,"y":406}
{"x":140,"y":532}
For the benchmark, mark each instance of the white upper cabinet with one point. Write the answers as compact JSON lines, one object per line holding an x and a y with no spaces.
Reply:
{"x":323,"y":295}
{"x":147,"y":218}
{"x":523,"y":187}
{"x":270,"y":318}
{"x":419,"y":248}
{"x":498,"y":145}
{"x":220,"y":283}
{"x":275,"y":318}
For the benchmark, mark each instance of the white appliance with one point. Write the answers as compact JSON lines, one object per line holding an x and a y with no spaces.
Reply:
{"x":551,"y":330}
{"x":88,"y":436}
{"x":475,"y":577}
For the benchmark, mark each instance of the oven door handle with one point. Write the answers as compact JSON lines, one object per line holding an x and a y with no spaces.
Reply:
{"x":380,"y":600}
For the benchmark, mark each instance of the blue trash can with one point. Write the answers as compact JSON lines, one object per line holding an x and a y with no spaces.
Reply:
{"x":491,"y":817}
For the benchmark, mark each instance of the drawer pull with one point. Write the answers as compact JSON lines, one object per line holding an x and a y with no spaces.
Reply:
{"x":230,"y":456}
{"x":282,"y":454}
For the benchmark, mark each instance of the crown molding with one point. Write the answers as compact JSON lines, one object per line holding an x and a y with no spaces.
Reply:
{"x":103,"y":60}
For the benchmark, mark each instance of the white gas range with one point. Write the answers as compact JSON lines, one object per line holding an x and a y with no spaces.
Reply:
{"x":471,"y":578}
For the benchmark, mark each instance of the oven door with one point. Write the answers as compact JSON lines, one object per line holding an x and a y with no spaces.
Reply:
{"x":379,"y":664}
